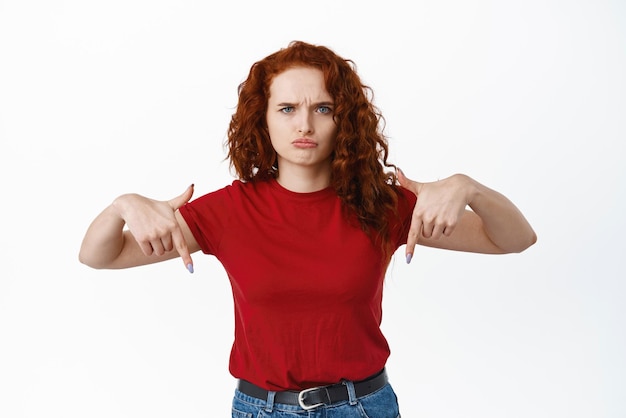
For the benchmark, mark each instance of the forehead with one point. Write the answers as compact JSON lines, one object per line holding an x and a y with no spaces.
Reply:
{"x":299,"y":83}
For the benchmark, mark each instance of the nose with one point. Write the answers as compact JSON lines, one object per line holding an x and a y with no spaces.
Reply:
{"x":305,"y":125}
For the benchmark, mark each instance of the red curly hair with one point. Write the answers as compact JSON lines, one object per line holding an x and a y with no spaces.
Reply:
{"x":361,"y":151}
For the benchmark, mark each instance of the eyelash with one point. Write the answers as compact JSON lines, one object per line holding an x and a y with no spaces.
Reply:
{"x":289,"y":109}
{"x":329,"y":109}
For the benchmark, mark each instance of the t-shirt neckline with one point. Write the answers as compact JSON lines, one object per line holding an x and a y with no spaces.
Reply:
{"x":319,"y":194}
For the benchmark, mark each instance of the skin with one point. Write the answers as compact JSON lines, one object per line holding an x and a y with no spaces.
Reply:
{"x":135,"y":230}
{"x":302,"y":129}
{"x":494,"y":225}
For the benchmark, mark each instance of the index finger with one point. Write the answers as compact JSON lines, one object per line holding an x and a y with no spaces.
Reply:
{"x":412,"y":238}
{"x":181,"y":246}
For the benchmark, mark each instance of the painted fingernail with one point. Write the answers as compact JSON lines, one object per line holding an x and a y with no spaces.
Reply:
{"x":190,"y":267}
{"x":409,"y":256}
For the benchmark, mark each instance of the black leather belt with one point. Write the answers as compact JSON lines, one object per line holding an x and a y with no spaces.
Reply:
{"x":324,"y":395}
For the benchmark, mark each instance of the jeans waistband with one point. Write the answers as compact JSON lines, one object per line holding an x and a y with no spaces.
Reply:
{"x":323,"y":395}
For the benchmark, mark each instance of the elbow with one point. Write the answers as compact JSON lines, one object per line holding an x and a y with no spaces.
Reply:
{"x":84,"y":259}
{"x":531,"y":240}
{"x":525,"y":243}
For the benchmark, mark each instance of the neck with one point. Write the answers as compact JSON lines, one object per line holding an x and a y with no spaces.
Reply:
{"x":303,"y":179}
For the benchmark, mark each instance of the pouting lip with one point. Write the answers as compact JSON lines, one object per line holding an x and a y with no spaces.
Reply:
{"x":303,"y":141}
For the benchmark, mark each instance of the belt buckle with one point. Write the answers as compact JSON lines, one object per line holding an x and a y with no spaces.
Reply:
{"x":301,"y":396}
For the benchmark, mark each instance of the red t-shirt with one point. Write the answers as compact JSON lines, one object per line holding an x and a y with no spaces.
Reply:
{"x":307,"y":284}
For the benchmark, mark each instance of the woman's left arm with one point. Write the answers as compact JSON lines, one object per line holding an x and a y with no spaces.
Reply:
{"x":494,"y":225}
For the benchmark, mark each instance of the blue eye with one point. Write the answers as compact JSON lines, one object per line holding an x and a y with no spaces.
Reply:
{"x":287,"y":109}
{"x":324,"y":109}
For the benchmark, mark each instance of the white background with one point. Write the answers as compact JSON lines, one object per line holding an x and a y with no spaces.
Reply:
{"x":98,"y":98}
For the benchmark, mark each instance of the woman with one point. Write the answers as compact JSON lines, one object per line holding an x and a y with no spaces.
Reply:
{"x":306,"y":234}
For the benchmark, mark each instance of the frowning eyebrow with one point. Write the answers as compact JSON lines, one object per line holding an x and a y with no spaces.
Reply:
{"x":318,"y":104}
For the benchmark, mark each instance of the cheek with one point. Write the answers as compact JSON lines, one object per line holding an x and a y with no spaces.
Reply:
{"x":328,"y":127}
{"x":332,"y":134}
{"x":273,"y":129}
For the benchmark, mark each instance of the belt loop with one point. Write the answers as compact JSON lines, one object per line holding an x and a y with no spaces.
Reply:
{"x":351,"y":392}
{"x":270,"y":401}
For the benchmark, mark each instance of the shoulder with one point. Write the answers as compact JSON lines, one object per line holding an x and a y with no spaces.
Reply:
{"x":235,"y":188}
{"x":248,"y":188}
{"x":406,"y":199}
{"x":406,"y":194}
{"x":236,"y":193}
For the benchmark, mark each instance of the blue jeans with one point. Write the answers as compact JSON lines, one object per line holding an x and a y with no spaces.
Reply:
{"x":380,"y":404}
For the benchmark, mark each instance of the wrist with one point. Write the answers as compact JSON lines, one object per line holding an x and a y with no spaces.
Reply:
{"x":121,"y":203}
{"x":470,"y":188}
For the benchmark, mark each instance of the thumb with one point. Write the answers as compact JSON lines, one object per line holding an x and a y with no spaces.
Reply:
{"x":407,"y":183}
{"x":180,"y":200}
{"x":177,"y":235}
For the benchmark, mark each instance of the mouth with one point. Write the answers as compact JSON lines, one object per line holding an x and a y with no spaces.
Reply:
{"x":304,"y":143}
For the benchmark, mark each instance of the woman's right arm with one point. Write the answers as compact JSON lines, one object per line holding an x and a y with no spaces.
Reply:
{"x":135,"y":231}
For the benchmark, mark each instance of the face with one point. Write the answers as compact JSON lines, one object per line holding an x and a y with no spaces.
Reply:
{"x":300,"y":120}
